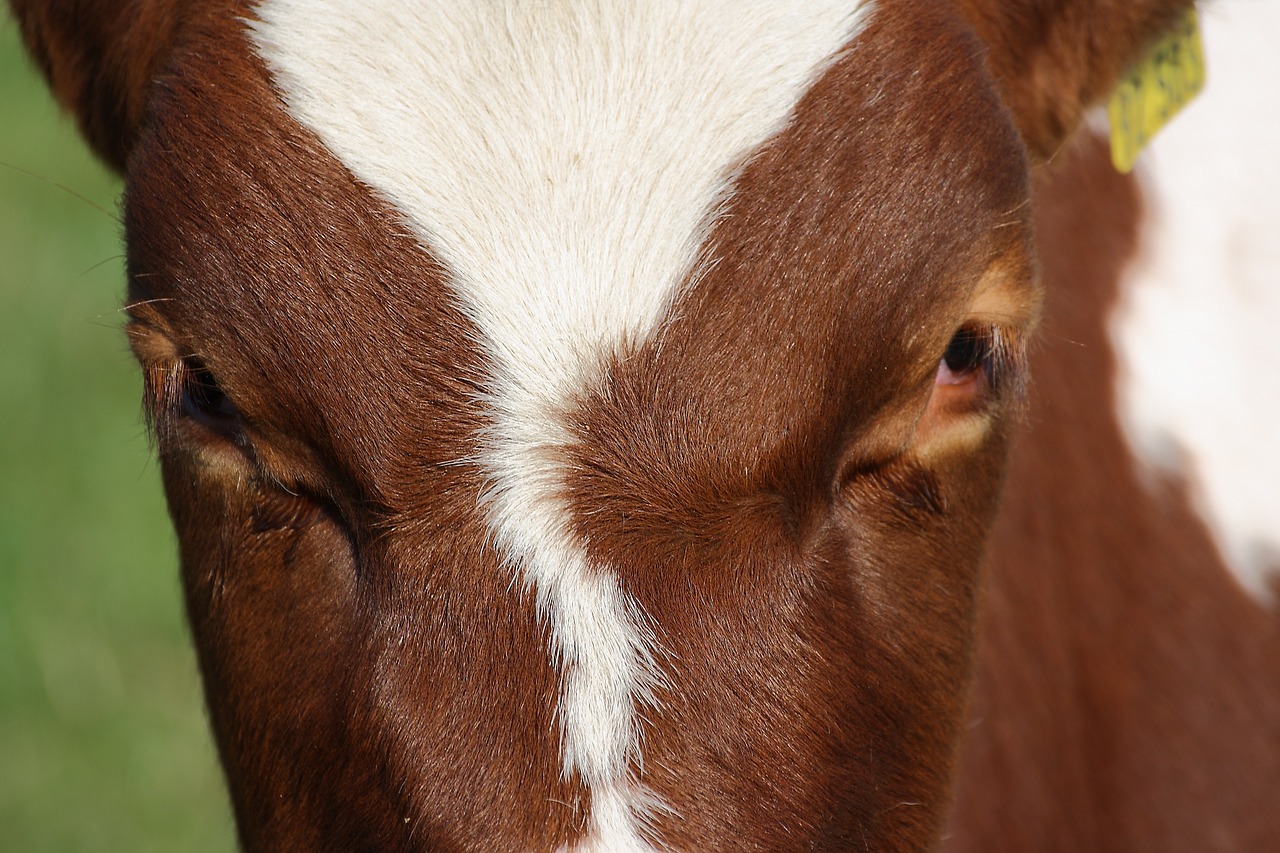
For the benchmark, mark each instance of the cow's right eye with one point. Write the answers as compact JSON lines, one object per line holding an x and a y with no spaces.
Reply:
{"x":203,"y":399}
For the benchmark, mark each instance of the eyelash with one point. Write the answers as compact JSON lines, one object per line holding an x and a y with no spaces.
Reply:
{"x":983,"y":353}
{"x":187,"y":390}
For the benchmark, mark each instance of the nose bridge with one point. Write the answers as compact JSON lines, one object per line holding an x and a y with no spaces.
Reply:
{"x":466,"y":685}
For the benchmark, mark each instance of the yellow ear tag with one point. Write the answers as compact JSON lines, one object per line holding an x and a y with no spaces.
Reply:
{"x":1154,"y":90}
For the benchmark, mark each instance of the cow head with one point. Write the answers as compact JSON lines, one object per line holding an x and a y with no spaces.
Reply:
{"x":582,"y":426}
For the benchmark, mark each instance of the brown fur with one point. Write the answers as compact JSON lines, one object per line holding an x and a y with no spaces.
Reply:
{"x":775,"y":478}
{"x":356,"y":633}
{"x":99,"y":58}
{"x":1054,"y":58}
{"x":1127,"y":693}
{"x":735,"y":472}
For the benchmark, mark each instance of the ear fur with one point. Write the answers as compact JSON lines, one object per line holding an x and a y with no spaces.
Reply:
{"x":99,"y":57}
{"x":1055,"y":58}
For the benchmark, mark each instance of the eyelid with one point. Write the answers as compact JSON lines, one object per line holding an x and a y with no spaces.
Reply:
{"x":180,"y":392}
{"x":968,"y":357}
{"x":203,"y":399}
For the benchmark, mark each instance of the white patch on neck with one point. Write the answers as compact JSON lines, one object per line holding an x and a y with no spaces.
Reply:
{"x":1198,"y":330}
{"x":565,"y":162}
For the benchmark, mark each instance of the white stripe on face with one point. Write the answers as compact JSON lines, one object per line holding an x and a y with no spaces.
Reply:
{"x":564,"y":161}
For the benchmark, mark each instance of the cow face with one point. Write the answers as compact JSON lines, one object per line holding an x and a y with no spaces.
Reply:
{"x":582,"y":428}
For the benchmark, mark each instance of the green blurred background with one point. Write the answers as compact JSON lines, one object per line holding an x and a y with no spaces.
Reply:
{"x":103,"y":742}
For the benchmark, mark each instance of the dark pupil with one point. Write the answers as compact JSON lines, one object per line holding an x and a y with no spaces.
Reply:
{"x":202,"y":398}
{"x":968,"y":351}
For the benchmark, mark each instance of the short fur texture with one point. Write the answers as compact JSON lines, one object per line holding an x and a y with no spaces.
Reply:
{"x":569,"y":448}
{"x":565,"y":174}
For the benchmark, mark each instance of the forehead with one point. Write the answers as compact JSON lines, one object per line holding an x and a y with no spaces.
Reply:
{"x":564,"y":177}
{"x":565,"y":162}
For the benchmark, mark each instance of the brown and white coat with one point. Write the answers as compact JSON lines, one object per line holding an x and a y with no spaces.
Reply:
{"x":585,"y":424}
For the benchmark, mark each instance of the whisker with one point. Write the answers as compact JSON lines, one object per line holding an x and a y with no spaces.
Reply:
{"x":112,"y":216}
{"x":129,"y":306}
{"x":101,"y":263}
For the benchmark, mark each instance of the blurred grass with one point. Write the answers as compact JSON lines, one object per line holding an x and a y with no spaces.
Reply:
{"x":103,"y":742}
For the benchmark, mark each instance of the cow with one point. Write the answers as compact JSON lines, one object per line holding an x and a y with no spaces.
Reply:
{"x":594,"y":426}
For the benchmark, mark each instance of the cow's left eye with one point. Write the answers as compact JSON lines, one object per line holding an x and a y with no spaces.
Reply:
{"x":203,"y":399}
{"x":968,"y":357}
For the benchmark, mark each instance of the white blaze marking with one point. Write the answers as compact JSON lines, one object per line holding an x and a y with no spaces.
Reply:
{"x":565,"y":162}
{"x":1198,"y":333}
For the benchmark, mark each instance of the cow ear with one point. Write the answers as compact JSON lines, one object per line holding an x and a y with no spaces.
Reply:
{"x":99,"y":57}
{"x":1055,"y":58}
